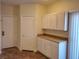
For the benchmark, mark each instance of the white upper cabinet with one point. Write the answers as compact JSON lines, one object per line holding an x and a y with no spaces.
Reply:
{"x":49,"y":21}
{"x":53,"y":20}
{"x":57,"y":21}
{"x":45,"y":22}
{"x":62,"y":21}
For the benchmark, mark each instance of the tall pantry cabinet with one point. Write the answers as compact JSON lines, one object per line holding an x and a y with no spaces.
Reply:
{"x":29,"y":25}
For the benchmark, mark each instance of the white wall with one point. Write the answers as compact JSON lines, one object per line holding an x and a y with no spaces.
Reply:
{"x":27,"y":10}
{"x":63,"y":5}
{"x":7,"y":10}
{"x":41,"y":10}
{"x":17,"y":25}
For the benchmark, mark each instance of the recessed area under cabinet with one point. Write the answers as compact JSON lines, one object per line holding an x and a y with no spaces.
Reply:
{"x":53,"y":48}
{"x":56,"y":21}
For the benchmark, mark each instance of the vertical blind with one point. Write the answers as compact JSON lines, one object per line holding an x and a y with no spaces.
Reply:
{"x":74,"y":35}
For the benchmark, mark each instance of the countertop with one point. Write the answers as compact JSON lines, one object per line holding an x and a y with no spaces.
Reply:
{"x":52,"y":38}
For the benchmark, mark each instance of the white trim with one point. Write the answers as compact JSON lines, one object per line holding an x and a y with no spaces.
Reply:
{"x":0,"y":52}
{"x":74,"y":35}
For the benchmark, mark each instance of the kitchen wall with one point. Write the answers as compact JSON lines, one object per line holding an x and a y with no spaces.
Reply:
{"x":63,"y":5}
{"x":17,"y":25}
{"x":56,"y":33}
{"x":7,"y":10}
{"x":27,"y":10}
{"x":41,"y":10}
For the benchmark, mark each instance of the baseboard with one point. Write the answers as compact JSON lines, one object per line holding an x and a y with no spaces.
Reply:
{"x":21,"y":49}
{"x":9,"y":47}
{"x":42,"y":54}
{"x":0,"y":52}
{"x":34,"y":50}
{"x":28,"y":50}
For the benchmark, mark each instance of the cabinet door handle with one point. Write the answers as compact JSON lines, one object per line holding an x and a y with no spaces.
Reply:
{"x":3,"y":33}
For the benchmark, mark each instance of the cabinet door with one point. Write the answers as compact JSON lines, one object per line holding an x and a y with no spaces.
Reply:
{"x":27,"y":33}
{"x":41,"y":45}
{"x":49,"y":21}
{"x":46,"y":22}
{"x":54,"y":50}
{"x":62,"y":21}
{"x":44,"y":46}
{"x":53,"y":20}
{"x":48,"y":48}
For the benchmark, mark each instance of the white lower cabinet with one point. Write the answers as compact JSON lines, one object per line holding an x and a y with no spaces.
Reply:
{"x":54,"y":50}
{"x":47,"y":48}
{"x":44,"y":47}
{"x":51,"y":49}
{"x":40,"y":45}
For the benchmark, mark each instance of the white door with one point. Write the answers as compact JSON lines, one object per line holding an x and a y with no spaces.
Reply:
{"x":7,"y":28}
{"x":27,"y":33}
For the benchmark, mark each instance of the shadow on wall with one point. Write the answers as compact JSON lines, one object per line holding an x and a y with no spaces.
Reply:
{"x":56,"y":32}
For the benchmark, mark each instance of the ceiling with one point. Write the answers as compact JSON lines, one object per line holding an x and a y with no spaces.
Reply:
{"x":16,"y":2}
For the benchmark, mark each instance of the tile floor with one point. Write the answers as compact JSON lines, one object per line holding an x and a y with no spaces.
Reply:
{"x":14,"y":53}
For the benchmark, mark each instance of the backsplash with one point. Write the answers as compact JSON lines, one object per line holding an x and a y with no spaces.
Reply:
{"x":56,"y":33}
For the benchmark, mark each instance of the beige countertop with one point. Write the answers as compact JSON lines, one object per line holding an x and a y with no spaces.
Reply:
{"x":52,"y":38}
